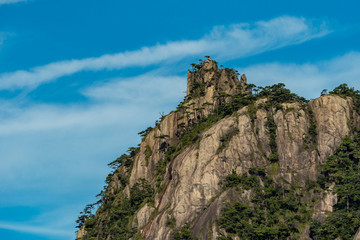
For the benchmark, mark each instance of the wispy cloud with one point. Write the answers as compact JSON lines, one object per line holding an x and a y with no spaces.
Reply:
{"x":234,"y":41}
{"x":49,"y":117}
{"x":11,"y":1}
{"x":144,"y":87}
{"x":35,"y":229}
{"x":299,"y":77}
{"x":111,"y":101}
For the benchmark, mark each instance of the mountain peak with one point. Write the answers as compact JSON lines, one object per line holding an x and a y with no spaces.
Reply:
{"x":207,"y":82}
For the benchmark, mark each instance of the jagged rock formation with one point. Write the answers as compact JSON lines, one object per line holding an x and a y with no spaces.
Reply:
{"x":207,"y":88}
{"x":186,"y":175}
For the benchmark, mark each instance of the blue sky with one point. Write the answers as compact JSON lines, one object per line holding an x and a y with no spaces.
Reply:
{"x":79,"y":79}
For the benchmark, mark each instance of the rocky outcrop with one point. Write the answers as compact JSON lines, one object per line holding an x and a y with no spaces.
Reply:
{"x":207,"y":88}
{"x":210,"y":87}
{"x":142,"y":216}
{"x":326,"y":204}
{"x":334,"y":118}
{"x":81,"y":233}
{"x":306,"y":135}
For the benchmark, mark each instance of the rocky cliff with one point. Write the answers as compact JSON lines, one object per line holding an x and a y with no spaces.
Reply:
{"x":226,"y":144}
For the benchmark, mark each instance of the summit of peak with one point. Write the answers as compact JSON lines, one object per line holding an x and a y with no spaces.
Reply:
{"x":207,"y":80}
{"x":210,"y":64}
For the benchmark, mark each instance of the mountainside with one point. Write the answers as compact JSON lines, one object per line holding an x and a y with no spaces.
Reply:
{"x":236,"y":161}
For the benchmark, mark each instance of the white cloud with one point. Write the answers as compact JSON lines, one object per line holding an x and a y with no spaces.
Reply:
{"x":35,"y":229}
{"x":144,"y":87}
{"x":50,"y":117}
{"x":11,"y":1}
{"x":113,"y":100}
{"x":235,"y":41}
{"x":308,"y":79}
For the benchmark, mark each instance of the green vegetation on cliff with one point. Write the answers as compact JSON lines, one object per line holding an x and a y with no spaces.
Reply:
{"x":116,"y":210}
{"x":342,"y":173}
{"x":115,"y":214}
{"x":276,"y":210}
{"x":183,"y":233}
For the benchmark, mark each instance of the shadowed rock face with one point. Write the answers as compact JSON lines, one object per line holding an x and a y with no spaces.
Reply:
{"x":192,"y":179}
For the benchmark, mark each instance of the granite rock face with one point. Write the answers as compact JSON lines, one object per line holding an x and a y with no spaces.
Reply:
{"x":192,"y":191}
